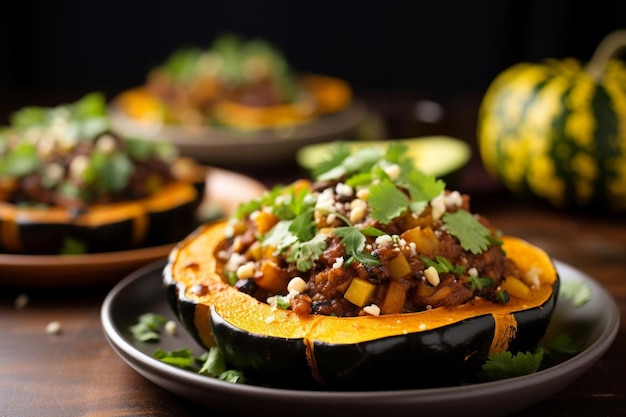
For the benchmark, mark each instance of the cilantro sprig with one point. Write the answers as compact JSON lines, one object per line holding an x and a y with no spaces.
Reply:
{"x":502,"y":365}
{"x":442,"y":265}
{"x":472,"y":235}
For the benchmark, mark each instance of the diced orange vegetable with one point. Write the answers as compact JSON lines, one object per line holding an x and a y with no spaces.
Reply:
{"x":255,"y":251}
{"x":515,"y":288}
{"x":272,"y":277}
{"x":395,"y":297}
{"x":359,"y":292}
{"x":265,"y":221}
{"x":426,"y":243}
{"x":399,"y":267}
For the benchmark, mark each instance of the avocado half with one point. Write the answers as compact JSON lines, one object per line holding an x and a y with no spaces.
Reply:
{"x":440,"y":156}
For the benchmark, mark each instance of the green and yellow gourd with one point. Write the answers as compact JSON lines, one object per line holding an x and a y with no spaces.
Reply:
{"x":557,"y":130}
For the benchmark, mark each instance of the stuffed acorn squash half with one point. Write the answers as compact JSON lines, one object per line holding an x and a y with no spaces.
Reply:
{"x":237,"y":84}
{"x":373,"y":276}
{"x":68,"y":185}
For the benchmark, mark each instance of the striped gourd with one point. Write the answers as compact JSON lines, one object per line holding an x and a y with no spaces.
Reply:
{"x":557,"y":130}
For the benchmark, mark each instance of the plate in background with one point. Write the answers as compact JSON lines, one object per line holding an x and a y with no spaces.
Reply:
{"x":229,"y":148}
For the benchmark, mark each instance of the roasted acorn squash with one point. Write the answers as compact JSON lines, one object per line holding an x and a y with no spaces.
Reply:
{"x":68,"y":185}
{"x":437,"y":347}
{"x":161,"y":218}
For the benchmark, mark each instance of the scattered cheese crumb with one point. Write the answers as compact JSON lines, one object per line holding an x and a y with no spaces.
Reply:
{"x":170,"y":327}
{"x":438,"y":206}
{"x":54,"y":327}
{"x":344,"y":190}
{"x":338,"y":262}
{"x":296,"y":285}
{"x":21,"y":301}
{"x":432,"y":276}
{"x":393,"y":171}
{"x":372,"y":310}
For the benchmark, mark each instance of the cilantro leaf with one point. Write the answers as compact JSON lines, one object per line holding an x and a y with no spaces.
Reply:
{"x":337,"y":154}
{"x":280,"y":236}
{"x":361,"y":160}
{"x":387,"y":201}
{"x":502,"y":365}
{"x":303,"y":226}
{"x":563,"y":343}
{"x":213,"y":362}
{"x":578,"y":293}
{"x":352,"y":238}
{"x":147,"y":327}
{"x":442,"y":265}
{"x":182,"y":358}
{"x":472,"y":235}
{"x":354,"y":241}
{"x":304,"y":254}
{"x":477,"y":283}
{"x":423,"y":187}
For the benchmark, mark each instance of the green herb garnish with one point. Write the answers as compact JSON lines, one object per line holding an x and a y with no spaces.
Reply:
{"x":148,"y":327}
{"x":578,"y":293}
{"x":478,"y":283}
{"x":442,"y":265}
{"x":502,"y":365}
{"x":472,"y":235}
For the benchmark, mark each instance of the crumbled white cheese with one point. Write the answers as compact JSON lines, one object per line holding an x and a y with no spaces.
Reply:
{"x":393,"y":171}
{"x":54,"y":327}
{"x":106,"y":144}
{"x":372,"y":310}
{"x":338,"y":262}
{"x":432,"y":276}
{"x":438,"y":206}
{"x":170,"y":327}
{"x":384,"y":239}
{"x":344,"y":190}
{"x":531,"y":278}
{"x":245,"y":271}
{"x":296,"y":285}
{"x":453,"y":200}
{"x":21,"y":301}
{"x":234,"y":262}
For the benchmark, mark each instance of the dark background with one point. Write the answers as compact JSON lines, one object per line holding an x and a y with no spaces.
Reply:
{"x":58,"y":50}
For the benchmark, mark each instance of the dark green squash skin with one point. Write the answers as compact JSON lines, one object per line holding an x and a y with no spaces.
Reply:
{"x":437,"y":357}
{"x":45,"y":238}
{"x":447,"y":356}
{"x":164,"y":227}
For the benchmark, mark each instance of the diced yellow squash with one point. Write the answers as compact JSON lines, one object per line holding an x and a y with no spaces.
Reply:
{"x":359,"y":292}
{"x":424,"y":239}
{"x":265,"y":221}
{"x":395,"y":297}
{"x":255,"y":251}
{"x":399,"y":267}
{"x":272,"y":277}
{"x":516,"y":288}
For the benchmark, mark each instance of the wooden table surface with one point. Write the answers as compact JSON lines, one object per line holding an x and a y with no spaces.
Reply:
{"x":77,"y":373}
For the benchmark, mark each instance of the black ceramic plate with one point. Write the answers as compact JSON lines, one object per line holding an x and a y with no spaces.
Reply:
{"x":141,"y":292}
